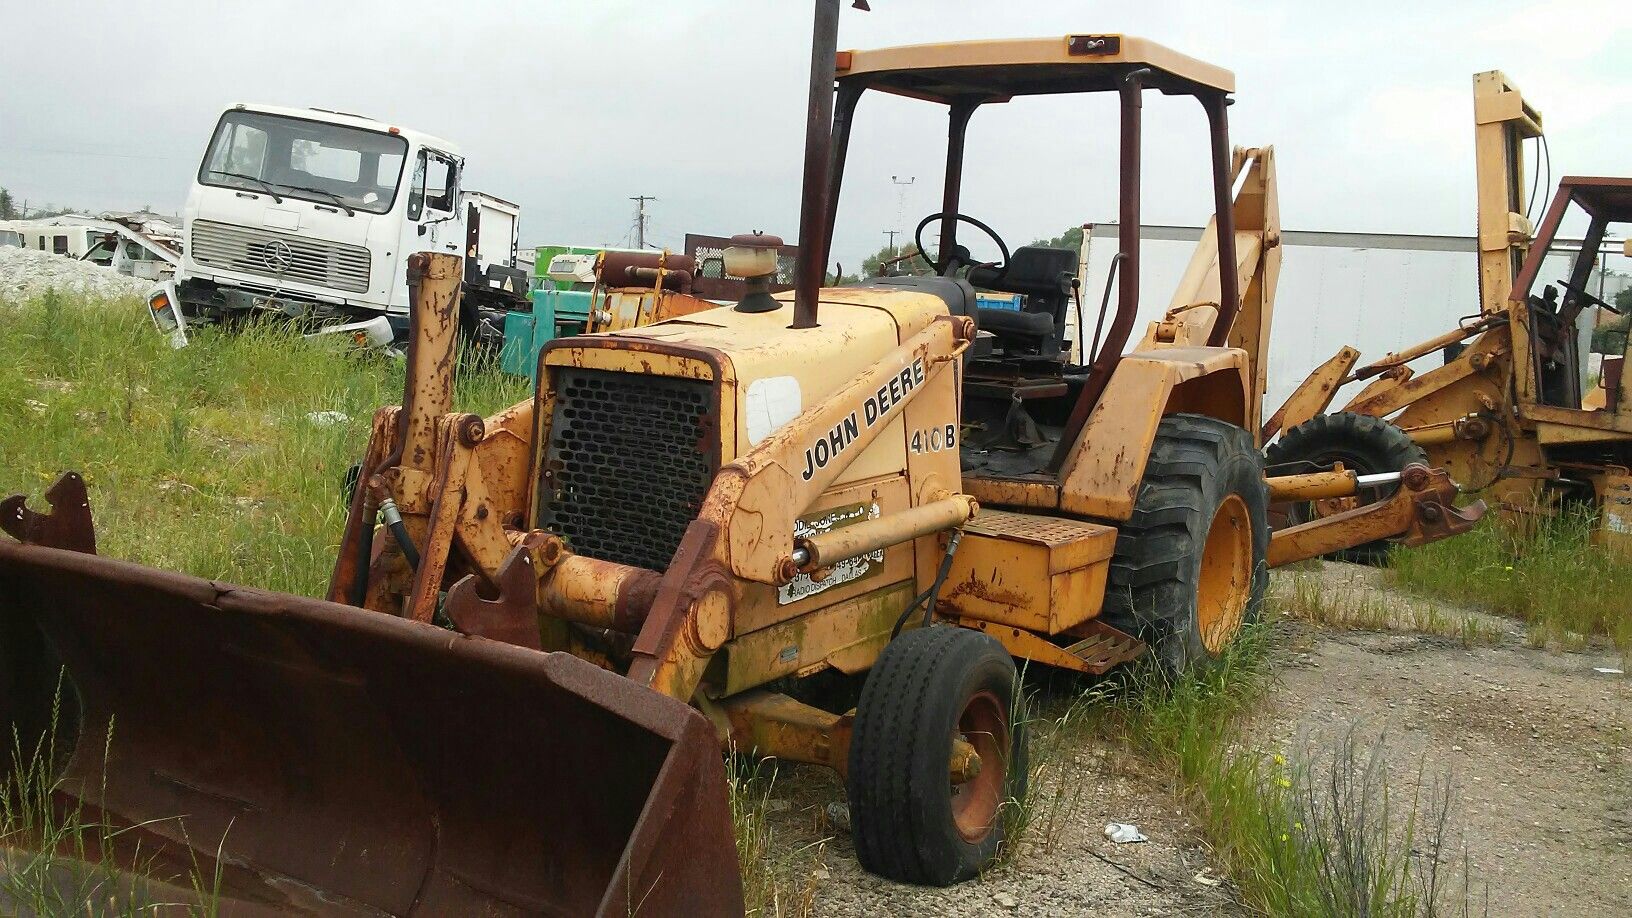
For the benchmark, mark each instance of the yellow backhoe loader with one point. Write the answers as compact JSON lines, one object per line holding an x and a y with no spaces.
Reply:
{"x":1510,"y":410}
{"x":819,"y":526}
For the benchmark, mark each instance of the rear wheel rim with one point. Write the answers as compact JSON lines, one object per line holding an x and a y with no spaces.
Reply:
{"x":1225,"y":585}
{"x":984,"y":724}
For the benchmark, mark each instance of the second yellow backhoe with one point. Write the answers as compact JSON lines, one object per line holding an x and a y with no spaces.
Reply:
{"x":1509,"y":409}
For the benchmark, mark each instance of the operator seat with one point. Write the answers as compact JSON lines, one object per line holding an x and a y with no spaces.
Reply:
{"x":1043,"y":276}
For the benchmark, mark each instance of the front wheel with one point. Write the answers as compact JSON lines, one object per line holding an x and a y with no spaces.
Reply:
{"x":911,"y":820}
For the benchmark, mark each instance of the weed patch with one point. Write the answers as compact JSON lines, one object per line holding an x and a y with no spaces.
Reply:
{"x":1308,"y":597}
{"x":213,"y":460}
{"x":777,"y":881}
{"x":1304,"y":832}
{"x":1554,"y":578}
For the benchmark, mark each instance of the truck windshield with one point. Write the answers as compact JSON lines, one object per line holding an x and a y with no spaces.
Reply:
{"x":299,"y":158}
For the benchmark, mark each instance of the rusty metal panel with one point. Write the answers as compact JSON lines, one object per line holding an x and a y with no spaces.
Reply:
{"x":1039,"y":573}
{"x":348,"y":762}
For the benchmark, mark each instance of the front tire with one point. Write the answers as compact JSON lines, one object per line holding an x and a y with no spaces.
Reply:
{"x":909,"y":821}
{"x":1190,"y":563}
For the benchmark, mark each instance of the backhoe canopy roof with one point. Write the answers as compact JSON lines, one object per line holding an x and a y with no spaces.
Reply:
{"x":1607,"y":199}
{"x":999,"y":69}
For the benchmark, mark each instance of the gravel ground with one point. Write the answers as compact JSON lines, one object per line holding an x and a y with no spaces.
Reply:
{"x":1534,"y":742}
{"x":1535,"y":745}
{"x":26,"y":273}
{"x":1071,"y":870}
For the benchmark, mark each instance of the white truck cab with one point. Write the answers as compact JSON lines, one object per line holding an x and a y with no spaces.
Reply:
{"x":313,"y":213}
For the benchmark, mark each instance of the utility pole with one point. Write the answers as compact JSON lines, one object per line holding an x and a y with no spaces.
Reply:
{"x":901,"y":196}
{"x":892,"y":234}
{"x":640,"y":218}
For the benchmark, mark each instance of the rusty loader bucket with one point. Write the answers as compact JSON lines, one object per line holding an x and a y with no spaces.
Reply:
{"x":347,"y":762}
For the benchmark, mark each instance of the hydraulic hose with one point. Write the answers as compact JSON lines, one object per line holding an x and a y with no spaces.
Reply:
{"x":364,"y":549}
{"x":393,"y":520}
{"x":927,"y":597}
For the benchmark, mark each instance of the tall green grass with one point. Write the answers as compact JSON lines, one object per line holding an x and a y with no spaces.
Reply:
{"x":1302,"y":831}
{"x":206,"y":460}
{"x":1553,"y":577}
{"x":778,"y":881}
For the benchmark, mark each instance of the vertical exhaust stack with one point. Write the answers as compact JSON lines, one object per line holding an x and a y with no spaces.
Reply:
{"x":824,"y":47}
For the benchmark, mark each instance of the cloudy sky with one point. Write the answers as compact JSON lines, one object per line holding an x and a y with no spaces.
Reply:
{"x":572,"y":107}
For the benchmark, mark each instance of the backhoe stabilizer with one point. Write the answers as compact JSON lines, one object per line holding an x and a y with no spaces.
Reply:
{"x":1422,"y":510}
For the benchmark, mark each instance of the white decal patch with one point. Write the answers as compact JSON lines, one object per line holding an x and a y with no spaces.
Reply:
{"x":770,"y":403}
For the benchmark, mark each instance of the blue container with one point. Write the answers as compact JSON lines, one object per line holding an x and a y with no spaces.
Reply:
{"x":1008,"y":301}
{"x":556,"y":314}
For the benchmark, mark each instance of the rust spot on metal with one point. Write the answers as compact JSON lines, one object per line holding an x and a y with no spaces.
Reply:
{"x":988,"y":591}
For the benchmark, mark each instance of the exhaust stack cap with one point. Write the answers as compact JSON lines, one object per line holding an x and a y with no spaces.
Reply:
{"x":752,"y":256}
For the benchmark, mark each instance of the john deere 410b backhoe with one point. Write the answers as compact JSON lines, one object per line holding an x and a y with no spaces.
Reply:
{"x":820,"y":526}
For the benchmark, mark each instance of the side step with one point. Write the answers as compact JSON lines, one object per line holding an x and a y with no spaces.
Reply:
{"x":1100,"y":648}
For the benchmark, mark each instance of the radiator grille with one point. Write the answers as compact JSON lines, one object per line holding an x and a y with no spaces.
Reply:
{"x":629,"y":461}
{"x":280,"y":256}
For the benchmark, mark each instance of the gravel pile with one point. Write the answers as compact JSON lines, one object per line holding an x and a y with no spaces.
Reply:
{"x":26,"y":273}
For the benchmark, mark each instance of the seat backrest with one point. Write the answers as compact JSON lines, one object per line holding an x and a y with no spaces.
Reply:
{"x":1041,"y":272}
{"x":1043,"y":275}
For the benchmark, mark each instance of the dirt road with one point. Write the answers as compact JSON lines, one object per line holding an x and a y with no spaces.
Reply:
{"x":1535,"y":744}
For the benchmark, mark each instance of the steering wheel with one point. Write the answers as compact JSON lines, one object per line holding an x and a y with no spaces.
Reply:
{"x":948,"y":262}
{"x":1583,"y":294}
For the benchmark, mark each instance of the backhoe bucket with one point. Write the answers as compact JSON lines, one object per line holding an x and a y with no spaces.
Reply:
{"x":321,"y":759}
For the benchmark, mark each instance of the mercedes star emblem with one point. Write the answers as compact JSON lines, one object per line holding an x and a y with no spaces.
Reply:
{"x":277,"y":256}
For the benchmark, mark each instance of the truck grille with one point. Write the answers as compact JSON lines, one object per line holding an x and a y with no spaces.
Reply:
{"x":280,"y":256}
{"x":630,"y":458}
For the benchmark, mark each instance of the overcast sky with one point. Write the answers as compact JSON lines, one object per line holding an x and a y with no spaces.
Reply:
{"x":571,"y":107}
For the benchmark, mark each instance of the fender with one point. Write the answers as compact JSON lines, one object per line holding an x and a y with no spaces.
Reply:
{"x":1101,"y":477}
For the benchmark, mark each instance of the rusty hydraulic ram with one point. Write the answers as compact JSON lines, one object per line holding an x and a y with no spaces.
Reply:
{"x":838,"y":545}
{"x":1322,"y":485}
{"x":1422,"y":510}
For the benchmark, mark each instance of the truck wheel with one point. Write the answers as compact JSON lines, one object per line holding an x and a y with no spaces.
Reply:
{"x":1189,"y":567}
{"x":1365,"y":445}
{"x":909,"y":821}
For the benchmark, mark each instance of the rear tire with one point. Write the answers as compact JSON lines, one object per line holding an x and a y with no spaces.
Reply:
{"x":910,"y":823}
{"x":1190,"y":563}
{"x":1365,"y":445}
